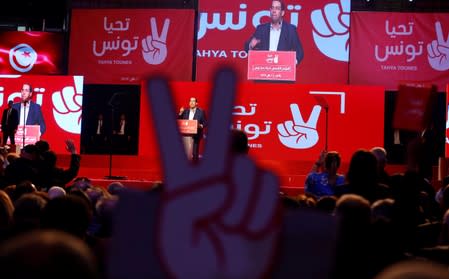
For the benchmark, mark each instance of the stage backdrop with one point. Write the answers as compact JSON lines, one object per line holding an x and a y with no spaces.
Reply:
{"x":323,"y":28}
{"x":121,"y":46}
{"x":61,"y":100}
{"x":392,"y":48}
{"x":31,"y":53}
{"x":288,"y":122}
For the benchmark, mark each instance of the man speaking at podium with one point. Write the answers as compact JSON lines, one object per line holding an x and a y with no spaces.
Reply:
{"x":30,"y":113}
{"x":192,"y":142}
{"x":277,"y":35}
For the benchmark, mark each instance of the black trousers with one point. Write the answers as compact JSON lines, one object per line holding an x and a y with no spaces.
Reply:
{"x":8,"y":134}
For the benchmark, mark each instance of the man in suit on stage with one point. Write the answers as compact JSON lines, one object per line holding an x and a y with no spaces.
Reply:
{"x":277,"y":35}
{"x":30,"y":113}
{"x":10,"y":121}
{"x":192,"y":142}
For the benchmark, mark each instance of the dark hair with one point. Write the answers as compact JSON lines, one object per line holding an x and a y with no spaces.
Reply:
{"x":332,"y":156}
{"x":282,"y":4}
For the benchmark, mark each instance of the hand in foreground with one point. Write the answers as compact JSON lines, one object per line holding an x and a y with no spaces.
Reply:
{"x":217,"y":219}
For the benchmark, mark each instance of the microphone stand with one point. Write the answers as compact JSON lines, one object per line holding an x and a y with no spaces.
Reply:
{"x":24,"y":124}
{"x":111,"y":133}
{"x":326,"y":109}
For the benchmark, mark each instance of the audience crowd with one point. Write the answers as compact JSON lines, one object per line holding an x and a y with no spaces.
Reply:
{"x":53,"y":222}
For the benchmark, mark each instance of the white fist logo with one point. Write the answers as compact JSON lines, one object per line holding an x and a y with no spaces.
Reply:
{"x":331,"y":30}
{"x":438,"y":50}
{"x":298,"y":134}
{"x":154,"y":46}
{"x":22,"y":58}
{"x":67,"y":106}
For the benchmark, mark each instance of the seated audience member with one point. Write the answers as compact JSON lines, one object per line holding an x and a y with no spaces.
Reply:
{"x":381,"y":155}
{"x":115,"y":188}
{"x":414,"y":269}
{"x":362,"y":178}
{"x":383,"y":209}
{"x":23,"y":168}
{"x":352,"y":259}
{"x":6,"y":214}
{"x":28,"y":213}
{"x":81,"y":183}
{"x":327,"y":204}
{"x":47,"y":254}
{"x":323,"y":183}
{"x":69,"y":214}
{"x":105,"y":209}
{"x":55,"y":192}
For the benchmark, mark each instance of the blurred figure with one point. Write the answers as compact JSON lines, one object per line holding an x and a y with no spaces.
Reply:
{"x":239,"y":142}
{"x":47,"y":254}
{"x":414,"y":269}
{"x":10,"y":121}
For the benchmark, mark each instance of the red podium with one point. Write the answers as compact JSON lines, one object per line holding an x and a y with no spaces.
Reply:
{"x":188,"y":127}
{"x":272,"y":65}
{"x":31,"y":134}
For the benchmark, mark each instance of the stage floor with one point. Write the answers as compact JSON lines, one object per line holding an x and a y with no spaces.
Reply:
{"x":142,"y":172}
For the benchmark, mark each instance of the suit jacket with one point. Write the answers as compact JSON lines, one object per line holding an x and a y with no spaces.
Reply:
{"x":13,"y":120}
{"x":35,"y":116}
{"x":200,"y":116}
{"x":288,"y":40}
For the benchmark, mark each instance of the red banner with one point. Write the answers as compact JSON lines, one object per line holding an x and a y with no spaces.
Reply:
{"x":31,"y":53}
{"x":60,"y":98}
{"x":391,"y":48}
{"x":288,"y":122}
{"x":322,"y":25}
{"x":122,"y":46}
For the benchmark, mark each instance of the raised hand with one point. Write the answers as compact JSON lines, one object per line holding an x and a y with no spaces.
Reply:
{"x":217,"y":219}
{"x":253,"y":43}
{"x":438,"y":50}
{"x":298,"y":134}
{"x":70,"y":146}
{"x":154,"y":46}
{"x":67,"y":106}
{"x":331,"y":29}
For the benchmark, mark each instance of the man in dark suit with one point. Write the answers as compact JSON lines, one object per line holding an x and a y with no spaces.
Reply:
{"x":277,"y":35}
{"x":10,"y":121}
{"x":192,"y":142}
{"x":30,"y":113}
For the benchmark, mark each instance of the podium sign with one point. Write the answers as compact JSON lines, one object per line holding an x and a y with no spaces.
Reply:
{"x":272,"y":65}
{"x":188,"y":126}
{"x":31,"y":134}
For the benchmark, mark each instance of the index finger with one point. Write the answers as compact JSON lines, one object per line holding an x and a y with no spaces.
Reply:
{"x":154,"y":32}
{"x":296,"y":114}
{"x":175,"y":165}
{"x":440,"y":36}
{"x":218,"y":135}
